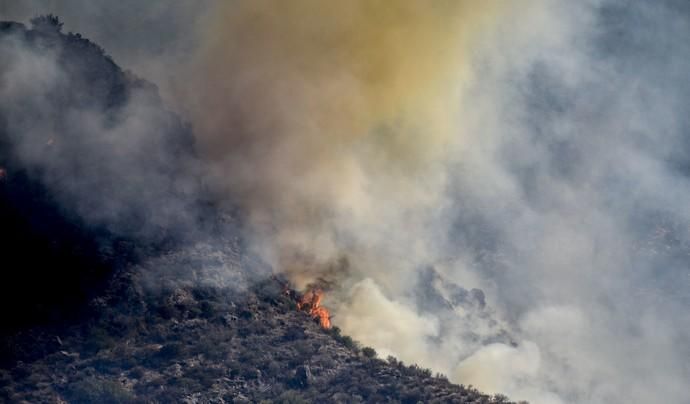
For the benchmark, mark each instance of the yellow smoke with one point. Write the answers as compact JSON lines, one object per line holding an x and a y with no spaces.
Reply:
{"x":321,"y":114}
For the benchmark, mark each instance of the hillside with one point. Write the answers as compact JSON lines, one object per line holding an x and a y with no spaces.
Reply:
{"x":122,"y":282}
{"x":207,"y":344}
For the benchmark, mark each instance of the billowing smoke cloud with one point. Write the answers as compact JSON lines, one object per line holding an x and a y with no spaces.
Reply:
{"x":333,"y":128}
{"x":143,"y":37}
{"x":95,"y":136}
{"x":572,"y":212}
{"x":327,"y":124}
{"x":537,"y":153}
{"x":547,"y":141}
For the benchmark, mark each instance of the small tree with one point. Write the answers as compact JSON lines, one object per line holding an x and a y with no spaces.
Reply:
{"x":369,"y":352}
{"x":46,"y":23}
{"x":348,"y":342}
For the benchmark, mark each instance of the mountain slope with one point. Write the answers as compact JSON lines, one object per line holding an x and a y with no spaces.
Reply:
{"x":122,"y":282}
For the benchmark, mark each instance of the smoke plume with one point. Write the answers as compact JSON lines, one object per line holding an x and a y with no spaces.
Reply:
{"x":327,"y":124}
{"x":495,"y":191}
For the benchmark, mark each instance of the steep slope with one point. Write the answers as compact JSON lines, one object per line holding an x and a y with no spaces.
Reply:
{"x":88,"y":159}
{"x":201,"y":344}
{"x":121,"y":282}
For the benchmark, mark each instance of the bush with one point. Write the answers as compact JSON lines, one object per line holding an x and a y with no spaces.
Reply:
{"x":348,"y":342}
{"x":290,"y":397}
{"x":304,"y":349}
{"x":186,"y":384}
{"x":208,"y":310}
{"x":98,"y":339}
{"x":369,"y":352}
{"x":294,"y":333}
{"x":205,"y":376}
{"x":137,"y":372}
{"x":335,"y":331}
{"x":170,"y":351}
{"x":499,"y":398}
{"x":272,"y":368}
{"x":46,"y":23}
{"x":92,"y":390}
{"x":167,"y":353}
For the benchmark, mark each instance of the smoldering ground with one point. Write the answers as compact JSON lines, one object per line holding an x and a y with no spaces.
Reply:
{"x":536,"y":152}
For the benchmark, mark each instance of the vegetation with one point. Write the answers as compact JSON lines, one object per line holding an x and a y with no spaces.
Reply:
{"x":46,"y":23}
{"x":369,"y":352}
{"x":93,"y":390}
{"x":189,"y":351}
{"x":181,"y":341}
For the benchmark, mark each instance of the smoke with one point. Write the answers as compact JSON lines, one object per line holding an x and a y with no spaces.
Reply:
{"x":570,"y":204}
{"x":143,"y":37}
{"x":96,"y":138}
{"x":326,"y":124}
{"x":386,"y":321}
{"x":537,"y":153}
{"x":533,"y":153}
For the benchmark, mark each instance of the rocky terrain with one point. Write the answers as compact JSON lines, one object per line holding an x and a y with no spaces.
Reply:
{"x":111,"y":295}
{"x":200,"y":344}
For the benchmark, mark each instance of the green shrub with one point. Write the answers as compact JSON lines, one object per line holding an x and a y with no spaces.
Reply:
{"x":290,"y":397}
{"x":170,"y":351}
{"x":187,"y":384}
{"x":348,"y":342}
{"x":208,"y":310}
{"x":204,"y":376}
{"x":92,"y":390}
{"x":46,"y":23}
{"x":369,"y":352}
{"x":98,"y":339}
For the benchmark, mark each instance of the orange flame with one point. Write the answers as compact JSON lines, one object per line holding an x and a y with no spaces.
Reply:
{"x":311,"y":303}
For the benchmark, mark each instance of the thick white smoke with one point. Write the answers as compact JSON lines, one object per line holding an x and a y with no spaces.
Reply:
{"x":560,"y":193}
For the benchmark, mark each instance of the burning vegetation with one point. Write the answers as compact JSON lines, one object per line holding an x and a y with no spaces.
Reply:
{"x":310,"y":302}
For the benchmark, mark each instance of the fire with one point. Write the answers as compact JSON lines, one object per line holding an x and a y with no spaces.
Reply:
{"x":311,"y":303}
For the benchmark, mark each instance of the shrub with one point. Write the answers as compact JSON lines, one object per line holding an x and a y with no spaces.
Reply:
{"x":98,"y":339}
{"x":442,"y":377}
{"x":294,"y":333}
{"x":348,"y":342}
{"x":137,"y":372}
{"x":186,"y":384}
{"x":272,"y":368}
{"x":290,"y":397}
{"x":304,"y":349}
{"x":166,"y":354}
{"x":335,"y":331}
{"x":204,"y":376}
{"x":369,"y":352}
{"x":106,"y":365}
{"x":46,"y":23}
{"x":208,"y":310}
{"x":499,"y":398}
{"x":92,"y":390}
{"x":170,"y":351}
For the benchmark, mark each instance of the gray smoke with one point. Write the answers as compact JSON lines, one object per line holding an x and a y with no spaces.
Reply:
{"x":571,"y":203}
{"x":98,"y":138}
{"x":564,"y":202}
